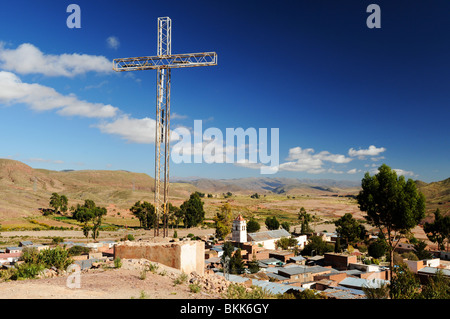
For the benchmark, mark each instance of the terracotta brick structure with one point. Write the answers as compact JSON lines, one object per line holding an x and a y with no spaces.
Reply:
{"x":339,"y":261}
{"x":186,"y":256}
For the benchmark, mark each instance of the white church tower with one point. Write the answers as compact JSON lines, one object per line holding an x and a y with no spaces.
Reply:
{"x":239,"y":232}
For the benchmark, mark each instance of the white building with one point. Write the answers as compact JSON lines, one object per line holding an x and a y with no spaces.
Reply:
{"x":267,"y":239}
{"x":302,"y":240}
{"x":239,"y":230}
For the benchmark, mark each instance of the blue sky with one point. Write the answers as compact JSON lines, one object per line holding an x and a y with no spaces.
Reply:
{"x":345,"y":98}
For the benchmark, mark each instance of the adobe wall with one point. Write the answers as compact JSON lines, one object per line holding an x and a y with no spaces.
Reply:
{"x":186,"y":256}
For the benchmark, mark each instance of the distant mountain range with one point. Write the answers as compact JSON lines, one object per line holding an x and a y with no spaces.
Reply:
{"x":271,"y":184}
{"x":23,"y":189}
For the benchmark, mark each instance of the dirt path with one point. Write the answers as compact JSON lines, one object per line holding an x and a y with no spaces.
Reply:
{"x":103,"y":284}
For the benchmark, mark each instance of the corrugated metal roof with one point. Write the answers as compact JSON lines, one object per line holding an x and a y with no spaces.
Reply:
{"x":433,"y":270}
{"x":305,"y":269}
{"x":268,"y":235}
{"x":298,"y":258}
{"x":352,"y":272}
{"x":340,"y":293}
{"x":359,"y":282}
{"x":271,"y":261}
{"x":273,"y":287}
{"x":276,"y":276}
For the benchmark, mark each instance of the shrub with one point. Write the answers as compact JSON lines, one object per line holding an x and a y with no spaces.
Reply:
{"x":57,"y":240}
{"x":236,"y":291}
{"x":117,"y":262}
{"x":194,"y":288}
{"x":153,"y":267}
{"x":143,"y":274}
{"x":56,"y":257}
{"x":181,"y":279}
{"x":27,"y":271}
{"x":78,"y":250}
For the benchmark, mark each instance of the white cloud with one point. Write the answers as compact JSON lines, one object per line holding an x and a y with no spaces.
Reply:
{"x":371,"y":151}
{"x":176,"y":116}
{"x":41,"y":160}
{"x":131,"y":129}
{"x":353,"y":171}
{"x":400,"y":171}
{"x":28,"y":59}
{"x":304,"y":160}
{"x":43,"y":98}
{"x":141,"y":131}
{"x":113,"y":42}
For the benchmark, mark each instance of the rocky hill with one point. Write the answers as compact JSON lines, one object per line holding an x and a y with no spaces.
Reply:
{"x":23,"y":190}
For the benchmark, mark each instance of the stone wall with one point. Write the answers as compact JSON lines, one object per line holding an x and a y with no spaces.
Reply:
{"x":187,"y":256}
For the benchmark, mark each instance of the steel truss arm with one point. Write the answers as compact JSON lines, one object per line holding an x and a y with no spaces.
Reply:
{"x":165,"y":62}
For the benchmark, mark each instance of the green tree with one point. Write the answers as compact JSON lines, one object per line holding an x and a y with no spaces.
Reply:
{"x":253,"y":265}
{"x":272,"y":223}
{"x":404,"y":285}
{"x":223,"y":221}
{"x":58,"y":202}
{"x":305,"y":219}
{"x":228,"y":249}
{"x":146,"y":214}
{"x":193,"y":211}
{"x":286,"y":225}
{"x":317,"y":246}
{"x":392,"y":204}
{"x":285,"y":242}
{"x":236,"y":263}
{"x":349,"y":229}
{"x":377,"y":249}
{"x":437,"y":287}
{"x":91,"y":217}
{"x":337,"y":246}
{"x":304,"y":294}
{"x":439,"y":230}
{"x":98,"y":213}
{"x":420,"y":250}
{"x":381,"y":292}
{"x":174,"y":212}
{"x":253,"y":226}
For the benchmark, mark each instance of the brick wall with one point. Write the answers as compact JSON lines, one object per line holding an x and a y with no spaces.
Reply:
{"x":187,"y":256}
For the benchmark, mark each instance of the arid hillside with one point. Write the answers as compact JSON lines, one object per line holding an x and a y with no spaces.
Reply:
{"x":24,"y":191}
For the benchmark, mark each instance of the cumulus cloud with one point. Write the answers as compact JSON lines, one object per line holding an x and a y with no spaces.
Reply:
{"x":42,"y":160}
{"x":28,"y":59}
{"x":353,"y":171}
{"x":371,"y":151}
{"x":131,"y":129}
{"x":305,"y":160}
{"x":113,"y":42}
{"x":43,"y":98}
{"x":400,"y":171}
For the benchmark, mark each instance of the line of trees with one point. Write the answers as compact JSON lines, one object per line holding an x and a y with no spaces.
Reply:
{"x":191,"y":213}
{"x":88,"y":214}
